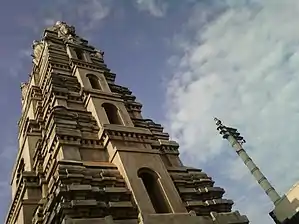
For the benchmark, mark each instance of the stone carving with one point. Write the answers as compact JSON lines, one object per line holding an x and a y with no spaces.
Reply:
{"x":24,"y":88}
{"x":66,"y":29}
{"x":37,"y":51}
{"x":99,"y":54}
{"x":68,"y":33}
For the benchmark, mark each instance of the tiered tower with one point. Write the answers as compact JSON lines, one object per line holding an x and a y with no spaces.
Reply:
{"x":86,"y":154}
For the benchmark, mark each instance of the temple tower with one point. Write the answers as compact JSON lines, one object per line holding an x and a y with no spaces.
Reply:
{"x":86,"y":154}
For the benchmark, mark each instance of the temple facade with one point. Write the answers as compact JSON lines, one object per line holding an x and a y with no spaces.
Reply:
{"x":86,"y":154}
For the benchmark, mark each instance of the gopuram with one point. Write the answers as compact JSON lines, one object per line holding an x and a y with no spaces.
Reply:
{"x":87,"y":156}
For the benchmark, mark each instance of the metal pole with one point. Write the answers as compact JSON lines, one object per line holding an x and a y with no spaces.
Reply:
{"x":255,"y":171}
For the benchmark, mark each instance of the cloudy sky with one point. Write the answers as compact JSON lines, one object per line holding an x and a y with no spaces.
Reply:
{"x":186,"y":61}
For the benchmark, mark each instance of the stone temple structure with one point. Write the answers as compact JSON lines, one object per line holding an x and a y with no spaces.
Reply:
{"x":86,"y":154}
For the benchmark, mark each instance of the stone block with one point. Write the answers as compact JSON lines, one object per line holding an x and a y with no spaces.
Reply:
{"x":120,"y":204}
{"x":90,"y":202}
{"x":79,"y":187}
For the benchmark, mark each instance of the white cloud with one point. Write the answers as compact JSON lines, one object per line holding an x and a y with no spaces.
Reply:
{"x":7,"y":156}
{"x":20,"y":63}
{"x":86,"y":14}
{"x":241,"y":64}
{"x":156,"y":8}
{"x":51,"y":21}
{"x":94,"y":11}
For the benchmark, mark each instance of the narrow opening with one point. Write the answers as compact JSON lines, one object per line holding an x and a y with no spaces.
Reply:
{"x":94,"y":81}
{"x":112,"y":113}
{"x":79,"y":54}
{"x":151,"y":183}
{"x":20,"y":170}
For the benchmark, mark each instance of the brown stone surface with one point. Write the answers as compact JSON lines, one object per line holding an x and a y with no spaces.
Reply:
{"x":86,"y":154}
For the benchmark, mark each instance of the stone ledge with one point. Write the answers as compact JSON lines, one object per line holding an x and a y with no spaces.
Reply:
{"x":171,"y":218}
{"x":229,"y":218}
{"x":121,"y":128}
{"x":105,"y":220}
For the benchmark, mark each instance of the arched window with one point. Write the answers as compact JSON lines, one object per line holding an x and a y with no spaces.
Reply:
{"x":79,"y":54}
{"x":152,"y":185}
{"x":94,"y":81}
{"x":112,"y":113}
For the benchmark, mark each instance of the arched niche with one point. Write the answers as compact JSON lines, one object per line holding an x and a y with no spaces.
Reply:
{"x":79,"y":53}
{"x":112,"y":113}
{"x":94,"y":81}
{"x":154,"y":190}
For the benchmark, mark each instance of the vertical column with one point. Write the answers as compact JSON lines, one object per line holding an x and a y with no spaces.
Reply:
{"x":236,"y":140}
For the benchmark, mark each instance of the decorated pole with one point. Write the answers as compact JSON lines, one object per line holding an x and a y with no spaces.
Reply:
{"x":236,"y":141}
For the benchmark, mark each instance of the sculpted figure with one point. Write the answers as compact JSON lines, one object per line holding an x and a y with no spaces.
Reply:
{"x":66,"y":29}
{"x":24,"y":88}
{"x":37,"y":51}
{"x":68,"y":33}
{"x":99,"y":54}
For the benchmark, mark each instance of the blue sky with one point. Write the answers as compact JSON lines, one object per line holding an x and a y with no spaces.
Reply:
{"x":186,"y":61}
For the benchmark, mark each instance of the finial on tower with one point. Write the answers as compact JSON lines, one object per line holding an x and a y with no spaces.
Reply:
{"x":67,"y":33}
{"x":218,"y":122}
{"x":228,"y":131}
